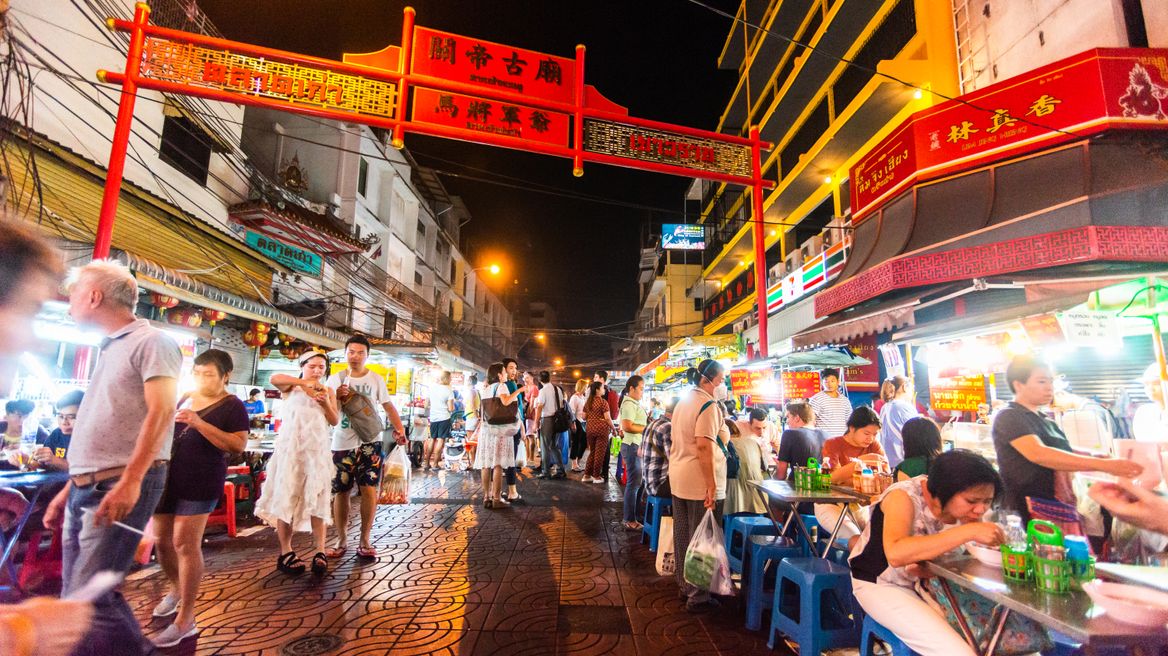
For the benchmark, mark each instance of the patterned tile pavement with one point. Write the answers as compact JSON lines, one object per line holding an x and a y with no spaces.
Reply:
{"x":555,"y":575}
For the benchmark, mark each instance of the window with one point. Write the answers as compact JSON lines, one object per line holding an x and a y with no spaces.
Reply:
{"x":362,"y":176}
{"x":417,"y":277}
{"x":185,"y":147}
{"x":389,"y":324}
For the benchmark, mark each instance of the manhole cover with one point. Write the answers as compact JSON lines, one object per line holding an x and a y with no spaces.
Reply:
{"x":312,"y":645}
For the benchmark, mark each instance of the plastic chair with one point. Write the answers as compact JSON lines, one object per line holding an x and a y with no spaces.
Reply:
{"x":813,"y":606}
{"x":655,"y":509}
{"x":812,"y":525}
{"x":873,"y":629}
{"x":762,"y":551}
{"x":225,"y":512}
{"x":41,"y":567}
{"x":738,"y":529}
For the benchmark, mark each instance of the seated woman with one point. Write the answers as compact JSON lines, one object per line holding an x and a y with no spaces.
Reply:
{"x":741,"y":495}
{"x":858,"y":444}
{"x":908,"y":526}
{"x":922,"y":443}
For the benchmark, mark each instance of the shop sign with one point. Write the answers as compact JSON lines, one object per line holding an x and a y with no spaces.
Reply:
{"x":293,"y":257}
{"x":661,"y":147}
{"x":480,"y":115}
{"x":1094,"y":91}
{"x":1090,"y":328}
{"x":866,"y":377}
{"x":815,"y":273}
{"x":492,"y":65}
{"x":269,"y":79}
{"x":799,"y":384}
{"x":957,"y":394}
{"x":759,"y":384}
{"x":272,"y":394}
{"x":741,"y":288}
{"x":683,"y":236}
{"x":457,"y":379}
{"x":893,"y":361}
{"x":1043,"y":330}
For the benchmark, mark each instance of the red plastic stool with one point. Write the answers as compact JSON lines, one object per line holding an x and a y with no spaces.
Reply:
{"x":225,"y":513}
{"x":41,"y":567}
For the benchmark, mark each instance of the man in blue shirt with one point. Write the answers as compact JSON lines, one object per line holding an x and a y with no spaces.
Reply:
{"x":254,"y":404}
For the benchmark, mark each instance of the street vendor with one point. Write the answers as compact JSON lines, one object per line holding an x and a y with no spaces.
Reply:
{"x":1034,"y":455}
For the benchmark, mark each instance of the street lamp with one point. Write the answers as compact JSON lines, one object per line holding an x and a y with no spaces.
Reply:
{"x":575,"y":373}
{"x":559,"y":362}
{"x":540,"y":337}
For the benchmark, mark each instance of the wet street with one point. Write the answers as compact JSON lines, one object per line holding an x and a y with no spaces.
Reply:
{"x":557,"y":575}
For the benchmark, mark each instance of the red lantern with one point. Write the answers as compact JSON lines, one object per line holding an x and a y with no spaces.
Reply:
{"x":186,"y":318}
{"x":214,"y":315}
{"x":289,"y":351}
{"x":162,"y":302}
{"x":265,"y":351}
{"x":261,"y":327}
{"x":254,"y":339}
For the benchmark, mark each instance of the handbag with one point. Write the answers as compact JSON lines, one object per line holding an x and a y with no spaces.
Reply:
{"x":498,"y":414}
{"x":362,"y":415}
{"x":562,"y":419}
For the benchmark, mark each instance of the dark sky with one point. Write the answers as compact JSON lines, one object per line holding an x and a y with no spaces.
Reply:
{"x":656,"y":57}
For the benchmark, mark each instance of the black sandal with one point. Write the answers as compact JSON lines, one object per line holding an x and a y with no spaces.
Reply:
{"x":319,"y":563}
{"x":290,"y":564}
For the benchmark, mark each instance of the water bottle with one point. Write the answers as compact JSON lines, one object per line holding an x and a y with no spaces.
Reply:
{"x":28,"y":439}
{"x":1015,"y":534}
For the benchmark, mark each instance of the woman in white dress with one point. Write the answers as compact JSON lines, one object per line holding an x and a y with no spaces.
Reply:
{"x":297,"y":495}
{"x":496,"y":448}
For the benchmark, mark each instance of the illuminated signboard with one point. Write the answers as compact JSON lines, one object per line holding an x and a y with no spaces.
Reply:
{"x":294,"y":258}
{"x":481,"y":115}
{"x":210,"y":68}
{"x":957,"y":393}
{"x":648,"y":145}
{"x":683,"y":236}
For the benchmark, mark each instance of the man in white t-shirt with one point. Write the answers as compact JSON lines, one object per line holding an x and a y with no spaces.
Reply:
{"x":441,"y":405}
{"x":831,"y":407}
{"x":550,"y":398}
{"x":358,"y":462}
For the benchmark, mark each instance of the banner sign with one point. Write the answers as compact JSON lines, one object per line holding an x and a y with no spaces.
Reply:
{"x":866,"y":377}
{"x":759,"y":384}
{"x":210,"y":68}
{"x":815,"y":273}
{"x":1094,"y":91}
{"x":1091,"y":328}
{"x":293,"y":257}
{"x":957,"y":394}
{"x":482,"y":63}
{"x":683,"y":236}
{"x":648,"y":145}
{"x":1043,"y":330}
{"x":731,"y":295}
{"x":481,"y":115}
{"x":800,"y":384}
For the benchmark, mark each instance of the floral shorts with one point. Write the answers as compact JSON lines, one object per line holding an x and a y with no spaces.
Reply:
{"x":361,"y":466}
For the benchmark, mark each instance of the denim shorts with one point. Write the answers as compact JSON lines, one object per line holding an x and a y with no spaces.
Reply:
{"x":172,"y":504}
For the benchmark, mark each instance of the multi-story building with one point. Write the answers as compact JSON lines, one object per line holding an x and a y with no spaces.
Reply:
{"x":665,"y":313}
{"x":821,"y":114}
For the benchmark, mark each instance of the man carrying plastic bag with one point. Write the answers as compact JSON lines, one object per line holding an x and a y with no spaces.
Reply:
{"x":395,"y":478}
{"x":706,"y":564}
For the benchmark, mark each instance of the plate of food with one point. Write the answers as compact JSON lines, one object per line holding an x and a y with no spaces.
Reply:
{"x":991,"y":556}
{"x":1131,"y":604}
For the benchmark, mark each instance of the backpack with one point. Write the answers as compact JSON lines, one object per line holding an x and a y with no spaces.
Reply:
{"x":733,"y":462}
{"x":562,"y":419}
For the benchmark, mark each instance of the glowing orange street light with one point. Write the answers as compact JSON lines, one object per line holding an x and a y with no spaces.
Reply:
{"x":575,"y":373}
{"x":559,"y":362}
{"x":540,"y":337}
{"x":494,"y":269}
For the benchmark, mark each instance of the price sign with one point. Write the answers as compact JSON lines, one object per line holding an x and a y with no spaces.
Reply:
{"x":800,"y":384}
{"x":957,"y":393}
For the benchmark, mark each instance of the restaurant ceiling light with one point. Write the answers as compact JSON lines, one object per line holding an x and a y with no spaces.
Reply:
{"x":827,"y":179}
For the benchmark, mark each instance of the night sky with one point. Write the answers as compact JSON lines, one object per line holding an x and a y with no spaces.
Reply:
{"x":656,"y":57}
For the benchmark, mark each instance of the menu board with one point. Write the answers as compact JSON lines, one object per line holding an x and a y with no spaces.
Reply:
{"x":759,"y":384}
{"x":800,"y":384}
{"x":957,"y":393}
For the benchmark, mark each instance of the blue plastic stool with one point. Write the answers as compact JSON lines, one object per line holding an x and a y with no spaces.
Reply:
{"x":762,"y":551}
{"x":655,"y":508}
{"x":813,"y":606}
{"x":739,"y":530}
{"x":873,"y":629}
{"x":836,"y":552}
{"x":812,"y":525}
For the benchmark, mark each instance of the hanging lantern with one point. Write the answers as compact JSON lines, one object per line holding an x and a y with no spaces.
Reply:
{"x":212,"y":316}
{"x":289,"y":351}
{"x":186,"y":318}
{"x":265,"y":351}
{"x":283,"y":339}
{"x":254,"y":339}
{"x":162,"y":302}
{"x":261,"y":327}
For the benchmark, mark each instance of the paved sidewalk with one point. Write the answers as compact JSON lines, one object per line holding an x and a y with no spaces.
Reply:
{"x":558,"y":574}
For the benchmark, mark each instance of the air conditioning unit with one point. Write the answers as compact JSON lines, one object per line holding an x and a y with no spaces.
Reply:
{"x":793,"y":262}
{"x":811,"y":247}
{"x":740,"y":327}
{"x":834,"y":232}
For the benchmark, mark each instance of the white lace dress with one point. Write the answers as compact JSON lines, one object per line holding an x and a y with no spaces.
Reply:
{"x":300,"y":471}
{"x":496,"y":448}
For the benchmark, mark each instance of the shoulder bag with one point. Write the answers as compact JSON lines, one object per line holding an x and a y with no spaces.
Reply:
{"x":362,"y":415}
{"x":496,"y":413}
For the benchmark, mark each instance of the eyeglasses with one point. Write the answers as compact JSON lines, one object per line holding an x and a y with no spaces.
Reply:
{"x":66,"y":417}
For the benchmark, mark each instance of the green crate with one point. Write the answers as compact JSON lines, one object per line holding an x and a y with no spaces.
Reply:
{"x":1052,"y":576}
{"x":1016,"y":565}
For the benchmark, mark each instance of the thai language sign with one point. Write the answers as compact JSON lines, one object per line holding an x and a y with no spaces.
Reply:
{"x":295,"y":258}
{"x":197,"y":66}
{"x":957,"y":394}
{"x":481,"y":115}
{"x":648,"y":145}
{"x":485,"y":64}
{"x":683,"y":236}
{"x":1097,"y":90}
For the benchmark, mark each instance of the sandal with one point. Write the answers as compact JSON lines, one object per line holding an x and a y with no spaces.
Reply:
{"x":500,"y":503}
{"x":290,"y":564}
{"x":336,"y":552}
{"x":366,"y":552}
{"x":319,"y":563}
{"x":487,"y":503}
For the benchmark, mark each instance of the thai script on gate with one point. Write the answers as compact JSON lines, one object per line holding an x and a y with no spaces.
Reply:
{"x":672,"y":149}
{"x":280,"y":85}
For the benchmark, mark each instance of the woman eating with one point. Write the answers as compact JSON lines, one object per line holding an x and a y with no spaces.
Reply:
{"x":496,"y":449}
{"x":908,"y":526}
{"x":212,"y":424}
{"x":922,"y":443}
{"x":298,"y":492}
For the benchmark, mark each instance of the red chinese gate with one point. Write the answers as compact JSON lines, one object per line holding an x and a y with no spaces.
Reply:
{"x":462,"y":88}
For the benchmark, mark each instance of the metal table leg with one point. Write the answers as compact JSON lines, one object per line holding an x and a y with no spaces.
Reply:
{"x":839,"y":523}
{"x":1001,"y":625}
{"x":961,"y":621}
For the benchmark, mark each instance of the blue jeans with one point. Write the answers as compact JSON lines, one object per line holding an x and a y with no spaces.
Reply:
{"x":633,"y":485}
{"x":510,"y":472}
{"x":88,"y":549}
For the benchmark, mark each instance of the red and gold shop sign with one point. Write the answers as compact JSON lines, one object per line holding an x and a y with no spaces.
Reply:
{"x":1043,"y":330}
{"x":799,"y":384}
{"x":864,"y":377}
{"x":957,"y":394}
{"x":1094,"y":91}
{"x":481,"y":115}
{"x":292,"y":84}
{"x":759,"y":384}
{"x":484,"y":64}
{"x":648,"y":145}
{"x":731,"y":295}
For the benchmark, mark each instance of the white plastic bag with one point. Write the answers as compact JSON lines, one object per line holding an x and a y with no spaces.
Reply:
{"x":521,"y":456}
{"x":395,"y":477}
{"x":666,"y":561}
{"x":706,"y":564}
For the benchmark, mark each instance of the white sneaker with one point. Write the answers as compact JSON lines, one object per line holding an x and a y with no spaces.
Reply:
{"x":598,"y":480}
{"x":167,"y":607}
{"x":585,"y":479}
{"x":173,"y":635}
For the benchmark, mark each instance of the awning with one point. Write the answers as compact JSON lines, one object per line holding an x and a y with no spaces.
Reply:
{"x":316,"y":232}
{"x":873,"y":319}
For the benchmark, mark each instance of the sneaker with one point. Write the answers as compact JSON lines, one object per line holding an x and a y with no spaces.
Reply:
{"x":173,"y":635}
{"x":585,"y":479}
{"x":599,"y":480}
{"x":167,"y":607}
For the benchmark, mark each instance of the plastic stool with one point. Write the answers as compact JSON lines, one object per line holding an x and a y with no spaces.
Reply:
{"x":225,"y":513}
{"x":812,"y":525}
{"x":655,"y":508}
{"x":873,"y":629}
{"x":813,"y":606}
{"x":739,"y":528}
{"x":761,"y":552}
